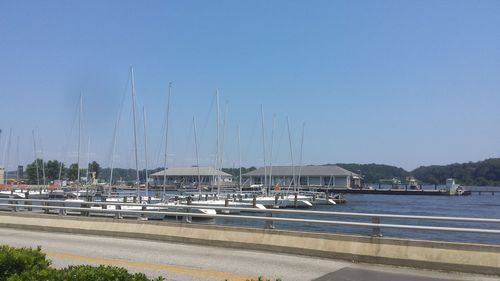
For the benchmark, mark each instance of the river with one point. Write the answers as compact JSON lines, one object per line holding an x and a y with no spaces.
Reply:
{"x":475,"y":206}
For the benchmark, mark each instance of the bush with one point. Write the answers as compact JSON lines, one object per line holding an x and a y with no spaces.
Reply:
{"x":26,"y":264}
{"x":15,"y":261}
{"x":260,"y":278}
{"x":101,"y":273}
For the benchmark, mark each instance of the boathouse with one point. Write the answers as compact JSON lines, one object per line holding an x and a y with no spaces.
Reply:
{"x":188,"y":176}
{"x":331,"y":175}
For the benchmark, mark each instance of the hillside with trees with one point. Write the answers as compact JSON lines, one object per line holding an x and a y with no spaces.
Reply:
{"x":372,"y":173}
{"x":482,"y":173}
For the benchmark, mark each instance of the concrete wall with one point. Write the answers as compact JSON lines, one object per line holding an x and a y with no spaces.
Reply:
{"x":473,"y":258}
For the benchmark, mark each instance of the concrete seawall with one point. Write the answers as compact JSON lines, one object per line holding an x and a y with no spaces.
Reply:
{"x":462,"y":257}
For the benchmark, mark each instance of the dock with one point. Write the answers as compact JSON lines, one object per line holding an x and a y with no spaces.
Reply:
{"x":398,"y":192}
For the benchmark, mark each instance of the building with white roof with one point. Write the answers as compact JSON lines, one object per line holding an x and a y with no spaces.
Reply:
{"x":327,"y":175}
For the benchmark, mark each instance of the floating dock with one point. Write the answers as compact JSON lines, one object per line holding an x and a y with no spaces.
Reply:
{"x":398,"y":191}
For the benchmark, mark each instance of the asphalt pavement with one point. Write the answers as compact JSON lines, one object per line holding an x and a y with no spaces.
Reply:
{"x":186,"y":262}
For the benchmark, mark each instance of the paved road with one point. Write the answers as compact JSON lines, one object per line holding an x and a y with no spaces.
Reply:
{"x":192,"y":262}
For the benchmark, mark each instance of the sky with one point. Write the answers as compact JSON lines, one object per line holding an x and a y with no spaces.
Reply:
{"x":404,"y":83}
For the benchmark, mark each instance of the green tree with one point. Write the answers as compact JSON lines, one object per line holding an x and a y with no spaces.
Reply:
{"x":31,"y":171}
{"x":73,"y":172}
{"x":52,"y":169}
{"x":94,"y":167}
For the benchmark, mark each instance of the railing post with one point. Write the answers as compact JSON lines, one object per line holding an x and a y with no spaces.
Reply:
{"x":85,"y":213}
{"x":118,"y":215}
{"x":254,"y":202}
{"x":28,"y":203}
{"x":45,"y":210}
{"x":14,"y":208}
{"x":187,"y":219}
{"x":269,"y":224}
{"x":62,"y":212}
{"x":376,"y":232}
{"x":295,"y":203}
{"x":142,"y":217}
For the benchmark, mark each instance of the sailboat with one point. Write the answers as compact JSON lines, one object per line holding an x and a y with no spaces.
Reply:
{"x":216,"y":201}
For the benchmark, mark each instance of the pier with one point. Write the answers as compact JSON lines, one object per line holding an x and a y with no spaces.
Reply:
{"x":398,"y":192}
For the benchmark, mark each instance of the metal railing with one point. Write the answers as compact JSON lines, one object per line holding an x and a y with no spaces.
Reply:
{"x":87,"y":208}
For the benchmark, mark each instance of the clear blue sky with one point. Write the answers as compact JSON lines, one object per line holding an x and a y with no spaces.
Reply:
{"x":405,"y":83}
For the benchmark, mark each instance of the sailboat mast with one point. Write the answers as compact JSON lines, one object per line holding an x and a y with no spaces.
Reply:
{"x":300,"y":156}
{"x":264,"y":145}
{"x":197,"y":159}
{"x":145,"y":149}
{"x":239,"y":152}
{"x":217,"y":156}
{"x":271,"y":156}
{"x":6,"y":162}
{"x":221,"y":160}
{"x":88,"y":160}
{"x":43,"y":167}
{"x":291,"y":152}
{"x":166,"y":140}
{"x":79,"y":138}
{"x":113,"y":156}
{"x":135,"y":131}
{"x":36,"y":159}
{"x":17,"y":161}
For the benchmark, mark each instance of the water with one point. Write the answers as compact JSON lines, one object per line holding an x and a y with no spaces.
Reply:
{"x":474,"y":206}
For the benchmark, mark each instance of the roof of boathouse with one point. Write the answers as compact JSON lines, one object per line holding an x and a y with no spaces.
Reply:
{"x":190,"y":171}
{"x":311,"y":170}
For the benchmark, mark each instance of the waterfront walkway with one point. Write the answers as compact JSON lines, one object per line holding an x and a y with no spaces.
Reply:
{"x":177,"y":261}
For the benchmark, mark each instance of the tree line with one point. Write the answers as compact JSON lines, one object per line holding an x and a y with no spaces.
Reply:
{"x":481,"y":173}
{"x":52,"y":170}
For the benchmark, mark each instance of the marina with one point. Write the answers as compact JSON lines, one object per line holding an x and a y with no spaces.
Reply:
{"x":353,"y":131}
{"x":474,"y":205}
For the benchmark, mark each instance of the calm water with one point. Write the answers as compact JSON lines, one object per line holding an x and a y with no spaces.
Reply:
{"x":477,"y":206}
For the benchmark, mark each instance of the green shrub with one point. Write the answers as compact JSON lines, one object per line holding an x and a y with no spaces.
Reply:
{"x":260,"y":278}
{"x":100,"y":273}
{"x":15,"y":261}
{"x":31,"y":265}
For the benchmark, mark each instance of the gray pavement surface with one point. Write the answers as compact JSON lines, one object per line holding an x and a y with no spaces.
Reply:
{"x":355,"y":274}
{"x":185,"y":262}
